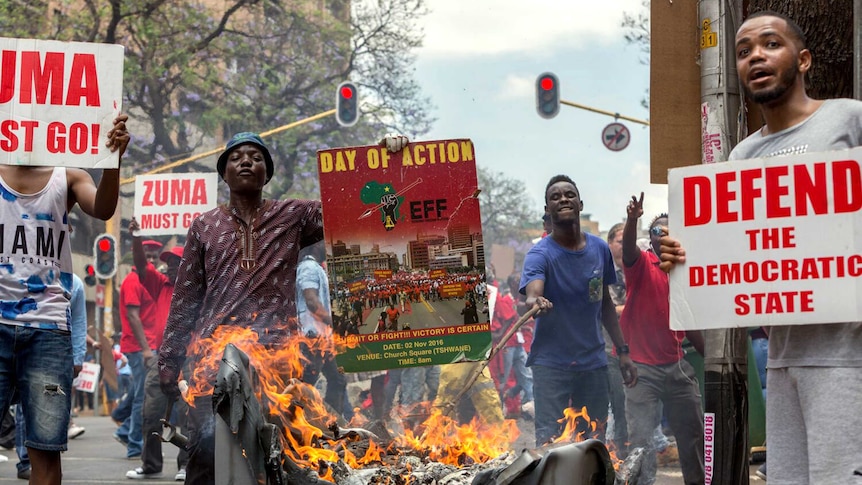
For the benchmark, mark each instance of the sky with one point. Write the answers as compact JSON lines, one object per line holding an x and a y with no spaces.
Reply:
{"x":479,"y":64}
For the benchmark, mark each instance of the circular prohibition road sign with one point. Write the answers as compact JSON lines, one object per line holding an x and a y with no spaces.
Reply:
{"x":616,"y":136}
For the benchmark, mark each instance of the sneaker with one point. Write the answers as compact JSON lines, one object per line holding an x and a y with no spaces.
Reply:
{"x":761,"y":471}
{"x":24,"y":474}
{"x":138,"y":474}
{"x":528,"y":408}
{"x":181,"y":475}
{"x":121,"y":440}
{"x":75,"y":431}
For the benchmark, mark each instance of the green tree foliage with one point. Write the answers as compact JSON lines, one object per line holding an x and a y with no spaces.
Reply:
{"x":198,"y":71}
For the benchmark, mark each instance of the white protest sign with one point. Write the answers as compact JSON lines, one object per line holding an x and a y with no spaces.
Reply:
{"x":769,"y":241}
{"x":58,"y":101}
{"x":168,"y":203}
{"x":88,"y":378}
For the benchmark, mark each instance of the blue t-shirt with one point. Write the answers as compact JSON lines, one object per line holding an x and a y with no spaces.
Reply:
{"x":569,"y":337}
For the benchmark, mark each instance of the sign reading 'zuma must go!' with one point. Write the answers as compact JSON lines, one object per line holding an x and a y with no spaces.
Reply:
{"x":58,"y":101}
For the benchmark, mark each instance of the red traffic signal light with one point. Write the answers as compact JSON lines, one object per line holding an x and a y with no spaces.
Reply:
{"x":346,"y":104}
{"x":105,"y":255}
{"x":547,"y":95}
{"x":90,"y":276}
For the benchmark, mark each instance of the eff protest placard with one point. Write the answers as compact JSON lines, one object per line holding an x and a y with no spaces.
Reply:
{"x":404,"y":254}
{"x":58,"y":101}
{"x":168,"y":203}
{"x":771,"y":241}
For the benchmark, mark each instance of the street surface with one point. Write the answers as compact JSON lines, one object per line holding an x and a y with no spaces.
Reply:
{"x":423,"y":314}
{"x":95,"y":458}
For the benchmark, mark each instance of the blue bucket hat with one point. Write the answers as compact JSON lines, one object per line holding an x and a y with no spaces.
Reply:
{"x":245,"y":138}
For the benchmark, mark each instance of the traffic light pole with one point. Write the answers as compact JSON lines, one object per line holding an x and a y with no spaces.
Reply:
{"x":726,"y":359}
{"x":604,"y":112}
{"x":216,"y":151}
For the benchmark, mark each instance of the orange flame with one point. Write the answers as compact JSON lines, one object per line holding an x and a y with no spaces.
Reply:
{"x":446,"y":441}
{"x":303,"y":415}
{"x":575,"y":422}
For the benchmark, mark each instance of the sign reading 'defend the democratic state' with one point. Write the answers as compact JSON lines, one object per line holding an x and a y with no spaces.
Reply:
{"x":768,"y":241}
{"x":58,"y":101}
{"x":405,"y":255}
{"x":168,"y":203}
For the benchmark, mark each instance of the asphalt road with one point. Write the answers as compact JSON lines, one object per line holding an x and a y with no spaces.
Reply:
{"x":95,"y":458}
{"x":424,"y":314}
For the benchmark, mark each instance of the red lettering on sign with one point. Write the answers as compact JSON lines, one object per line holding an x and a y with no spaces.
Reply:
{"x":42,"y":76}
{"x":159,"y":221}
{"x":775,"y":302}
{"x":848,"y":186}
{"x":174,"y":192}
{"x":811,"y":192}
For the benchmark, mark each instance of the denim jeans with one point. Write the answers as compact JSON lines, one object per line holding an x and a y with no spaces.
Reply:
{"x":415,"y":380}
{"x":124,"y":406}
{"x":36,"y":365}
{"x":557,"y":389}
{"x":132,"y":428}
{"x":20,"y":432}
{"x":515,"y":358}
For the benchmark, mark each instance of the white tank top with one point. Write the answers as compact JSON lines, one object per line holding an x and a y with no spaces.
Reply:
{"x":35,"y":255}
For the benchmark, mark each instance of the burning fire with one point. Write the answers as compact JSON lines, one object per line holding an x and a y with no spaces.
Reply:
{"x":304,"y":416}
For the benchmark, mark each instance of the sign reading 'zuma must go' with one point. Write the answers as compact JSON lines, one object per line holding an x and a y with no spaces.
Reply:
{"x":58,"y":101}
{"x":772,"y":241}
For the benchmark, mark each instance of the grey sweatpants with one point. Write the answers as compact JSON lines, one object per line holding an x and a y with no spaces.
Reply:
{"x":814,"y":425}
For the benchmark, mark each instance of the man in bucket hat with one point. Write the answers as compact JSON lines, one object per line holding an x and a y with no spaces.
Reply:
{"x":239,"y":268}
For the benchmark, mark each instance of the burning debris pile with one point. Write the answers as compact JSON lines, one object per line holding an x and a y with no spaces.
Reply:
{"x":273,"y":429}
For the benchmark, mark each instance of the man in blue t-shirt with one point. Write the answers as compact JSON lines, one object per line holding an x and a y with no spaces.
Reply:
{"x":566,"y":276}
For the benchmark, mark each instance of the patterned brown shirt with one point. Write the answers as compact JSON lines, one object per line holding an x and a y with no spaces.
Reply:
{"x":238,"y":274}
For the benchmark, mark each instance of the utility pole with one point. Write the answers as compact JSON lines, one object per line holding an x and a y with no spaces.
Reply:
{"x":726,"y":359}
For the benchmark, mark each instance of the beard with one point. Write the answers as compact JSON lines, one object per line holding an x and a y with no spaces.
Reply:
{"x":786,"y":80}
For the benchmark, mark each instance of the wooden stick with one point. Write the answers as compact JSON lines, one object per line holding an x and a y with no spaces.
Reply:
{"x":450,"y":406}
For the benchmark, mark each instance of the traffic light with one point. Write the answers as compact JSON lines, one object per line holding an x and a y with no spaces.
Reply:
{"x":547,"y":95}
{"x":347,"y":104}
{"x":90,"y":276}
{"x":105,"y":253}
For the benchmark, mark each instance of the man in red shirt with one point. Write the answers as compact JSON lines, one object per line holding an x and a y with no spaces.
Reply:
{"x":663,"y":375}
{"x":393,"y":315}
{"x":141,"y":336}
{"x":160,"y":288}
